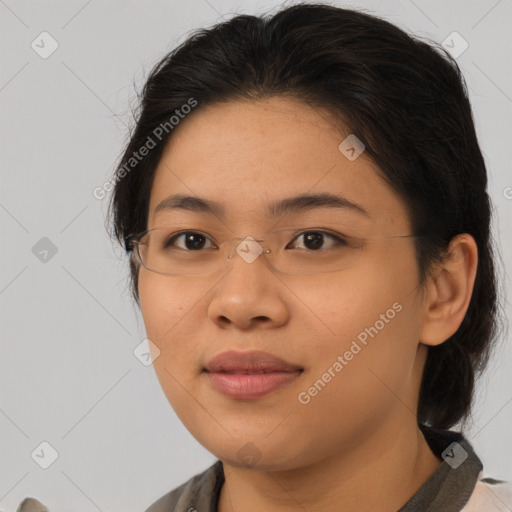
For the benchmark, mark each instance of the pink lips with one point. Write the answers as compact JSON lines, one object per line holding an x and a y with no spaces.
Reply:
{"x":249,"y":375}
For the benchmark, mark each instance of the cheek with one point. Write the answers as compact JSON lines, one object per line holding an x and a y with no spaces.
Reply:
{"x":166,"y":306}
{"x":364,"y":371}
{"x":342,"y":305}
{"x":369,"y":317}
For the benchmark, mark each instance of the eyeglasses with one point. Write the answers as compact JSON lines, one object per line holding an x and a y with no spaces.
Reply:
{"x":174,"y":251}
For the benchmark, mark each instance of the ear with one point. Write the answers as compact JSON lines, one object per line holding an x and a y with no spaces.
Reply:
{"x":449,"y":290}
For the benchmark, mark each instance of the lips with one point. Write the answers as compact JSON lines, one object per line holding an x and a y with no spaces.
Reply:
{"x":249,"y":375}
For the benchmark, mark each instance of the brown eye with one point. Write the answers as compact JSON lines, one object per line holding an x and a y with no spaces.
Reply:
{"x":191,"y":241}
{"x":314,"y":240}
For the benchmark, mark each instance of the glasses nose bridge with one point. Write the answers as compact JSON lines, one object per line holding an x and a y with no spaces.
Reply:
{"x":249,"y":250}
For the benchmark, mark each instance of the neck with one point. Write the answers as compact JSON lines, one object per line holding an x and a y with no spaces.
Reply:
{"x":382,"y":473}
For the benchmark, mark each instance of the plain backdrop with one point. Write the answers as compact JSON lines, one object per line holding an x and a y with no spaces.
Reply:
{"x":68,"y":373}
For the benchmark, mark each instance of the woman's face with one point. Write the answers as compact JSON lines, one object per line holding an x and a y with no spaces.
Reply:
{"x":355,"y":330}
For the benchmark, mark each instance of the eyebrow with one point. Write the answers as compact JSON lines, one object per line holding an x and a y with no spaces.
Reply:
{"x":275,"y":209}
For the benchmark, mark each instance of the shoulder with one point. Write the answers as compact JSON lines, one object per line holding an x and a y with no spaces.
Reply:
{"x":490,"y":495}
{"x":199,"y":492}
{"x":31,"y":505}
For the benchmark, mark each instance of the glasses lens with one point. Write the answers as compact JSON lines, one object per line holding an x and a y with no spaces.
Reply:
{"x":172,"y":251}
{"x":312,"y":251}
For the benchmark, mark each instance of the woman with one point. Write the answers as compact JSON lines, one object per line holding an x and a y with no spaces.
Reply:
{"x":305,"y":204}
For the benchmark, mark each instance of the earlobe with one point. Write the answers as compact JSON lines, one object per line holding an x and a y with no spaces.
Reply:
{"x":449,"y":291}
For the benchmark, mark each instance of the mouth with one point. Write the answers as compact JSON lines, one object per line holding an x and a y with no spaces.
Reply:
{"x":249,"y":375}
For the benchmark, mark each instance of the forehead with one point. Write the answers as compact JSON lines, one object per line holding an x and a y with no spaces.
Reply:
{"x":247,"y":155}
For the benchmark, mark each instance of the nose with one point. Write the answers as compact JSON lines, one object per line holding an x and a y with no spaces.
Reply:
{"x":250,"y":294}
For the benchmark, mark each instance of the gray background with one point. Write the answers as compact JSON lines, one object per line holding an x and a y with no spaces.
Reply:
{"x":68,"y":373}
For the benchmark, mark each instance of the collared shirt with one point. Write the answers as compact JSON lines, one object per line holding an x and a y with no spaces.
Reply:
{"x":458,"y":484}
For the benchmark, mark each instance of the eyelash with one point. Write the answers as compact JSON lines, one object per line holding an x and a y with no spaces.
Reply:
{"x":339,"y":240}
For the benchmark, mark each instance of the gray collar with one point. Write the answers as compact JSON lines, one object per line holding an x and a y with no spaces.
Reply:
{"x":450,"y":487}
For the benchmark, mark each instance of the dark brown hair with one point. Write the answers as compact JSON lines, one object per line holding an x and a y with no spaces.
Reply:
{"x":405,"y":99}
